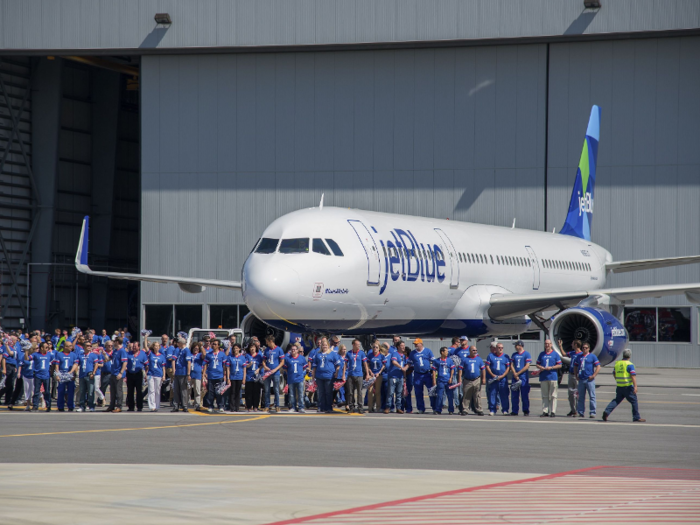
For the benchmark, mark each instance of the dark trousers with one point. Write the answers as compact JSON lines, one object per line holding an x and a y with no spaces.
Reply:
{"x":325,"y":394}
{"x":441,"y":390}
{"x":235,"y":394}
{"x":37,"y":392}
{"x":420,"y":381}
{"x":105,"y":381}
{"x":407,"y":405}
{"x":252,"y":394}
{"x":212,"y":394}
{"x":117,"y":391}
{"x":524,"y":394}
{"x":19,"y":389}
{"x":622,"y":392}
{"x":9,"y":389}
{"x":134,"y":383}
{"x":66,"y":391}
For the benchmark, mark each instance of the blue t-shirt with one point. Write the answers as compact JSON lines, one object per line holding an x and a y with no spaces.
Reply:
{"x":272,"y":357}
{"x":197,"y":364}
{"x":471,"y":367}
{"x":452,"y":350}
{"x":236,"y":366}
{"x":119,"y":357}
{"x":443,"y":367}
{"x":88,"y":363}
{"x":181,"y":357}
{"x":341,"y":372}
{"x":326,"y":364}
{"x":421,"y":361}
{"x":587,"y":366}
{"x":27,"y":367}
{"x":156,"y":364}
{"x":548,"y":359}
{"x":254,"y":365}
{"x":64,"y":361}
{"x":395,"y":362}
{"x":295,"y":368}
{"x":375,"y":361}
{"x":137,"y":362}
{"x":498,"y":363}
{"x":574,"y":359}
{"x":215,"y":365}
{"x":520,"y":360}
{"x":355,"y":363}
{"x":17,"y":354}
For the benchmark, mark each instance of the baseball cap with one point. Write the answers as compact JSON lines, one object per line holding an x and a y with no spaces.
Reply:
{"x":416,"y":341}
{"x":518,"y":343}
{"x":464,"y":338}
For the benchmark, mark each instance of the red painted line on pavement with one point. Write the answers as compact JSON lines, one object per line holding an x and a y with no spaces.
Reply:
{"x":430,"y":496}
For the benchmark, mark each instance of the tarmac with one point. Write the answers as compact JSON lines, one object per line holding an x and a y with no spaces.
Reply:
{"x":262,"y":468}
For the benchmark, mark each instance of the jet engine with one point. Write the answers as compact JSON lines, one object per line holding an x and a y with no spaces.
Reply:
{"x":252,"y":326}
{"x":599,"y":328}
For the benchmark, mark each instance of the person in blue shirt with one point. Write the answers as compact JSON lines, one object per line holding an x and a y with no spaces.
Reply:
{"x":462,"y":351}
{"x":357,"y":369}
{"x":548,"y":362}
{"x":136,"y":365}
{"x":213,"y":371}
{"x":12,"y":353}
{"x":181,"y":364}
{"x":236,"y":371}
{"x":156,"y":372}
{"x":422,"y":358}
{"x":376,"y":363}
{"x":27,"y":374}
{"x":118,"y":364}
{"x":106,"y":352}
{"x":66,"y":361}
{"x":273,"y":360}
{"x":454,"y":348}
{"x":497,"y":368}
{"x":443,"y":373}
{"x":472,"y":376}
{"x":519,"y":365}
{"x":396,"y":372}
{"x":574,"y":355}
{"x":341,"y":376}
{"x":198,"y":357}
{"x":252,"y":374}
{"x":586,"y":370}
{"x":41,"y":365}
{"x":55,"y":338}
{"x":324,"y":366}
{"x":296,"y":365}
{"x":89,"y":363}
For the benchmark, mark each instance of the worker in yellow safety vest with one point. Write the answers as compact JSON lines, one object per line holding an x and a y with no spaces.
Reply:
{"x":626,"y":379}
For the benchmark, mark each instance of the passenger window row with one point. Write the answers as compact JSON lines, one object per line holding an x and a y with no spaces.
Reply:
{"x":566,"y":265}
{"x":300,"y":245}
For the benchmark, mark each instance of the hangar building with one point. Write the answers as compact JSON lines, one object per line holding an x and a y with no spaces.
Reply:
{"x":183,"y":137}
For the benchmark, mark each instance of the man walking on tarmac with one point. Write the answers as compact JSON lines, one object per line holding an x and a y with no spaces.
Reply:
{"x":626,"y":379}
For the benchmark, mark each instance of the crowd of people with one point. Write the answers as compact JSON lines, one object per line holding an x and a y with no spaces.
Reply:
{"x":79,"y":370}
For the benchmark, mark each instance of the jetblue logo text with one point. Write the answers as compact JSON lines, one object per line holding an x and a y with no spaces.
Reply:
{"x":585,"y":203}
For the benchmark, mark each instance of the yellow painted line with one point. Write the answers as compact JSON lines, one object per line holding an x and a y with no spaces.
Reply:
{"x":138,"y":428}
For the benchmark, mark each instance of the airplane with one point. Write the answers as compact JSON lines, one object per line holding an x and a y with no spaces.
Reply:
{"x":331,"y":270}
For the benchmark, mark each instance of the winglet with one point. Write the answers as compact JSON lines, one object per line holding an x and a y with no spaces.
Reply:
{"x":81,"y":256}
{"x":320,"y":206}
{"x":580,"y":216}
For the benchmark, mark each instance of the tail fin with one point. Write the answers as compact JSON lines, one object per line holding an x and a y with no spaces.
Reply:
{"x":580,"y":216}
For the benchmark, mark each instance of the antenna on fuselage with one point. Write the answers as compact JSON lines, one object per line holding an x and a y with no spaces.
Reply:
{"x":320,"y":206}
{"x":513,"y":227}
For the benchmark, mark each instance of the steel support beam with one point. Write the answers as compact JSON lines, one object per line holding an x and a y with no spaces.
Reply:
{"x":46,"y":125}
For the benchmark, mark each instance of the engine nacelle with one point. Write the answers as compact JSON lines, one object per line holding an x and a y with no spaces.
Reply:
{"x":252,"y":326}
{"x":599,"y":328}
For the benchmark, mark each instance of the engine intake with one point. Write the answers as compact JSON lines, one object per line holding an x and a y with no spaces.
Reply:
{"x":599,"y":328}
{"x":252,"y":326}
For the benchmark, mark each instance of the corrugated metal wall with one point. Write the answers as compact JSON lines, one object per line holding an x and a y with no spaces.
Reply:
{"x":231,"y":142}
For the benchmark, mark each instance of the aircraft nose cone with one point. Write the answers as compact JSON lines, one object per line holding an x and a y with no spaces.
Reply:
{"x":271,"y":289}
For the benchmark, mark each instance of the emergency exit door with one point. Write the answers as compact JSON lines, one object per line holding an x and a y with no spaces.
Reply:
{"x":452,"y":256}
{"x":535,"y":268}
{"x":371,"y":250}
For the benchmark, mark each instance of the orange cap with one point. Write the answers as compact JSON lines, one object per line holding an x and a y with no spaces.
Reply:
{"x":416,"y":341}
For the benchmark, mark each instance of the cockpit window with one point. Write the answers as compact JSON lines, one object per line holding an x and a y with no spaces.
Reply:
{"x":318,"y":246}
{"x":267,"y":245}
{"x":294,"y":246}
{"x":334,"y":247}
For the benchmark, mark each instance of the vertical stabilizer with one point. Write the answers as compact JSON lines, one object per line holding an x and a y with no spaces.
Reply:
{"x":580,"y":217}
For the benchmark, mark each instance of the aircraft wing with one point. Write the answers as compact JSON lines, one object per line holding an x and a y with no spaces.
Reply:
{"x":648,"y":264}
{"x":187,"y":284}
{"x":504,"y":306}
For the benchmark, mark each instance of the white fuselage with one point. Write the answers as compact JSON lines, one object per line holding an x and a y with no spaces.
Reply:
{"x":409,"y":275}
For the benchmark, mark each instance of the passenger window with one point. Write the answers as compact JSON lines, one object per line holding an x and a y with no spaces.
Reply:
{"x":384,"y":250}
{"x":334,"y":247}
{"x":267,"y":245}
{"x":492,"y":259}
{"x":318,"y":246}
{"x":294,"y":246}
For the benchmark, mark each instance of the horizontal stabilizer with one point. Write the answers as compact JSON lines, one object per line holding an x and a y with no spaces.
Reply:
{"x":650,"y":264}
{"x":186,"y":284}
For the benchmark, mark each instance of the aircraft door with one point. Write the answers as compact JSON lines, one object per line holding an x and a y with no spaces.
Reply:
{"x":535,"y":268}
{"x":452,"y":255}
{"x":371,"y":251}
